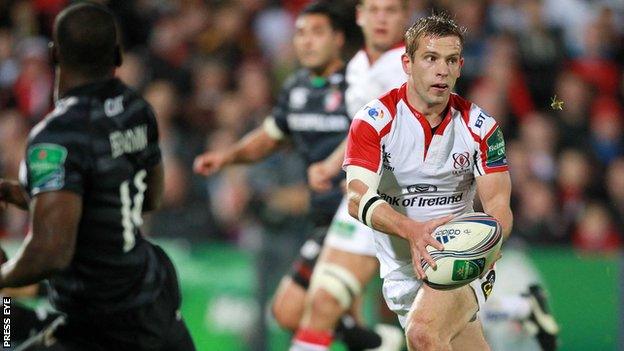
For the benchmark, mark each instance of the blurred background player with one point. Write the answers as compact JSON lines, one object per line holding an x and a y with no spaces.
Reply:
{"x":311,"y":113}
{"x":347,"y":261}
{"x":92,"y":167}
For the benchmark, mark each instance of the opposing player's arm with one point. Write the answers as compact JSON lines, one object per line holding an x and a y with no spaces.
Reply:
{"x":320,"y":174}
{"x":256,"y":145}
{"x":495,"y":192}
{"x":50,"y":244}
{"x":155,"y":181}
{"x":12,"y":192}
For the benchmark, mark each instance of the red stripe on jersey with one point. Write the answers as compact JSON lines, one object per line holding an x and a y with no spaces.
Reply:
{"x":462,"y":105}
{"x":445,"y":122}
{"x":364,"y":145}
{"x":390,"y":100}
{"x":426,"y":127}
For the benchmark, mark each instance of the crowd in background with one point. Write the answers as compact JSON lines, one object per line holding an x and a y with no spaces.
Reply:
{"x":211,"y":70}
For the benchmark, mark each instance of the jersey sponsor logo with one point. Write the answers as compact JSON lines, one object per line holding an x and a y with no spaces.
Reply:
{"x":333,"y":100}
{"x":421,"y":188}
{"x":440,"y":200}
{"x":298,"y":98}
{"x":316,"y":122}
{"x":128,"y":141}
{"x":422,"y":201}
{"x":461,"y":162}
{"x":113,"y":106}
{"x":374,"y":113}
{"x":480,"y":120}
{"x":46,"y":166}
{"x":496,"y":149}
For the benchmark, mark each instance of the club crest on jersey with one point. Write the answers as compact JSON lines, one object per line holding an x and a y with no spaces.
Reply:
{"x":333,"y":100}
{"x":374,"y":113}
{"x":461,"y":162}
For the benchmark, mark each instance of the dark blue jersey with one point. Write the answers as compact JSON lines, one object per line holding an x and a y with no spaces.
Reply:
{"x":311,"y":111}
{"x":99,"y":142}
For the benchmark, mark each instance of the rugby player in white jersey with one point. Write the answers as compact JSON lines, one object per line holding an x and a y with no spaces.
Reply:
{"x":347,"y":261}
{"x":416,"y":157}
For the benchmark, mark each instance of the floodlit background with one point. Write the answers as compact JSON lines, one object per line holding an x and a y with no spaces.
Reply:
{"x":211,"y":70}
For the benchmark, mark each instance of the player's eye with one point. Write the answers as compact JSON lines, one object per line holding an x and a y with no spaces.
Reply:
{"x":430,"y":58}
{"x":453,"y":60}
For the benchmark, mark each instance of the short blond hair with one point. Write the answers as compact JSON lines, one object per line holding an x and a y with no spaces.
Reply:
{"x":437,"y":25}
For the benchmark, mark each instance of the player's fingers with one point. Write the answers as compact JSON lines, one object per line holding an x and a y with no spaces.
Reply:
{"x":434,"y":223}
{"x":433,"y":242}
{"x":204,"y":165}
{"x":416,"y":262}
{"x":427,"y":257}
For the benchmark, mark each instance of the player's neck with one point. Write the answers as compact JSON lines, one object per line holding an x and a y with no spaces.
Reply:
{"x":331,"y":68}
{"x":432,"y":113}
{"x":68,"y":79}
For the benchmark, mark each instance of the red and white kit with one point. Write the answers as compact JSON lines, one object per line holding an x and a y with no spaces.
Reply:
{"x":425,"y":174}
{"x":365,"y":82}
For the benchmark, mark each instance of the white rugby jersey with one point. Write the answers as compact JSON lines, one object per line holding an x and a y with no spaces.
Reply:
{"x":424,"y":175}
{"x":366,"y":82}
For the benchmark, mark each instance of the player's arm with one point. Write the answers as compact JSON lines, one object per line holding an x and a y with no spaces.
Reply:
{"x":155,"y":181}
{"x":256,"y":145}
{"x":370,"y":209}
{"x":49,"y":246}
{"x":494,"y":190}
{"x":320,"y":174}
{"x":12,"y":192}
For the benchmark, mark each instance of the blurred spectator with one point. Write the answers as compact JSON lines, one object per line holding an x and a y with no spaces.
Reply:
{"x":541,"y":52}
{"x":595,"y":231}
{"x":539,"y":139}
{"x":615,"y":190}
{"x":33,"y":86}
{"x":536,"y":218}
{"x":607,"y":138}
{"x":132,"y":70}
{"x":572,"y":121}
{"x":573,"y":181}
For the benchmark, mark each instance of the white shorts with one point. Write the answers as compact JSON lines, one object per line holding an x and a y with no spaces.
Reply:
{"x":401,"y":286}
{"x":348,"y":234}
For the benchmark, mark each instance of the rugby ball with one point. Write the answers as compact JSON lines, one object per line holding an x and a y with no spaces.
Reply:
{"x":471,"y":243}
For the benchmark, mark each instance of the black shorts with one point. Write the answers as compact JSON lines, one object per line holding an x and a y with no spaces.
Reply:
{"x":303,"y":266}
{"x":155,"y":326}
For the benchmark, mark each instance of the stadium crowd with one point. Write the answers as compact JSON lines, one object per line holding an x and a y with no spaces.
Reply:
{"x":211,"y":70}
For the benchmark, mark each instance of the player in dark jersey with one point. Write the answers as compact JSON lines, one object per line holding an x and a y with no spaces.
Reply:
{"x":92,"y":167}
{"x":310,"y":113}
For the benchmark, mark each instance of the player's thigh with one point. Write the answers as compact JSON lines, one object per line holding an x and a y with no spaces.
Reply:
{"x":363,"y":267}
{"x":471,"y":338}
{"x":443,"y":312}
{"x":288,"y":303}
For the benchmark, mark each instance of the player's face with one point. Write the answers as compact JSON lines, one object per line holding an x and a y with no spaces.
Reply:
{"x":434,"y":69}
{"x":316,"y":43}
{"x":383,"y":23}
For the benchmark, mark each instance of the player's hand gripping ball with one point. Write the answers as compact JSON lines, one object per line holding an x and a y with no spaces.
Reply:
{"x":472,"y":244}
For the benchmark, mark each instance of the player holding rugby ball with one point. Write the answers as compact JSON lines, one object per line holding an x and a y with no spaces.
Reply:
{"x":416,"y":157}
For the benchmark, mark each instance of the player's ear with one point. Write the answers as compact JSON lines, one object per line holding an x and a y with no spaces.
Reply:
{"x":118,"y":57}
{"x":405,"y":61}
{"x":52,"y":53}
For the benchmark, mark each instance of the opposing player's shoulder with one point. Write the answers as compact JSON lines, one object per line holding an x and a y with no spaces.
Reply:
{"x":66,"y":116}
